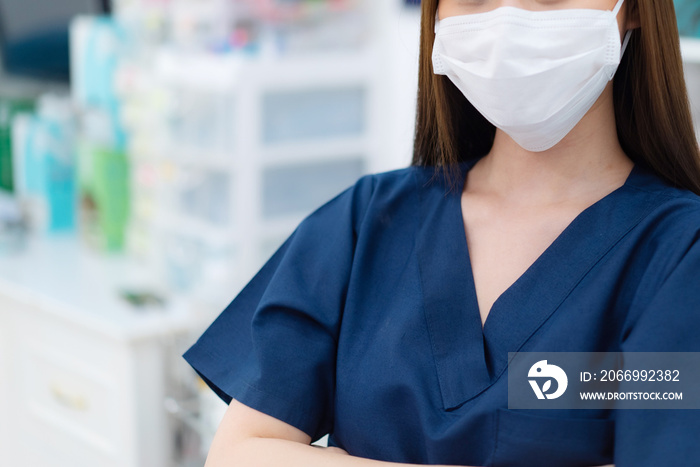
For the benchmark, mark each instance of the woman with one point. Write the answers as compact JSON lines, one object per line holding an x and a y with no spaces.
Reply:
{"x":386,"y":318}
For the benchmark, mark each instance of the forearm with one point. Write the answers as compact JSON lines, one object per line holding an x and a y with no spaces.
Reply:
{"x":267,"y":452}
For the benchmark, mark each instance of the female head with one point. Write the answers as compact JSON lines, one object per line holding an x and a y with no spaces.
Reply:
{"x":652,"y":114}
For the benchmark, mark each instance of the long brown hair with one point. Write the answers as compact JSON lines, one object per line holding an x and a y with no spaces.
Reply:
{"x":652,"y":113}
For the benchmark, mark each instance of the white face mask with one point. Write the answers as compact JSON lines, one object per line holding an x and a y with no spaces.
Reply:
{"x":533,"y":74}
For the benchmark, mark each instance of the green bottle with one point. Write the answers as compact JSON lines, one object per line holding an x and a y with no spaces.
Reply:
{"x":9,"y":107}
{"x":104,"y":180}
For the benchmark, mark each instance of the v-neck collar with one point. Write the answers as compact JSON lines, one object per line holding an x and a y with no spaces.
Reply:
{"x":468,"y":358}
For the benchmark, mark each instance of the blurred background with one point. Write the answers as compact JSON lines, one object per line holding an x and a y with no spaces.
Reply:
{"x":153,"y":155}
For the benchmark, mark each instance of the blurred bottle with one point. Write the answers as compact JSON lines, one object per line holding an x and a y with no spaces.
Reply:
{"x":98,"y":47}
{"x":104,"y":182}
{"x":44,"y":156}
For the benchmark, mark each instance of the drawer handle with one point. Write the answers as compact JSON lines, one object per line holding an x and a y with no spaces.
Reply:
{"x":65,"y":398}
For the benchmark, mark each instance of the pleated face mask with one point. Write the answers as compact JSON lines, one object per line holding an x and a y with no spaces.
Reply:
{"x":533,"y":74}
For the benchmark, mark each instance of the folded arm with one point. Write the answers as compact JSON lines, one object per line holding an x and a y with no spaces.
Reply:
{"x":254,"y":439}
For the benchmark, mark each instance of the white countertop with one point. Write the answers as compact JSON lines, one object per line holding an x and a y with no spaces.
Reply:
{"x":61,"y":275}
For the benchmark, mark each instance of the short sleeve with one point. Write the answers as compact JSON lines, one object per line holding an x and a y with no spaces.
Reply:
{"x":669,"y":323}
{"x":273,"y":348}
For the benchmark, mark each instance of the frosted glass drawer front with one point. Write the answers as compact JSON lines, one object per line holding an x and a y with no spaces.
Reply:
{"x":205,"y":196}
{"x":298,"y":189}
{"x":193,"y":194}
{"x":313,"y":114}
{"x":201,"y":121}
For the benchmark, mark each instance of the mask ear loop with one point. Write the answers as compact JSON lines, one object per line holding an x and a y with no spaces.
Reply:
{"x":618,"y":5}
{"x":437,"y":22}
{"x":625,"y":42}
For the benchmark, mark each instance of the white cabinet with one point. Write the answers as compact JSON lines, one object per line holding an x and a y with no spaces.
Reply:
{"x":83,"y":374}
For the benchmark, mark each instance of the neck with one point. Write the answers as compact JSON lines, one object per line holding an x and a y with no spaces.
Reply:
{"x":588,"y":160}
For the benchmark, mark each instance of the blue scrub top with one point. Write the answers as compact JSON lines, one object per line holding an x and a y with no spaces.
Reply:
{"x":364,"y":324}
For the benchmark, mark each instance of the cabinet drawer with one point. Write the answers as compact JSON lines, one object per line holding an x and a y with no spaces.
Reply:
{"x":68,"y":398}
{"x":43,"y":444}
{"x":90,"y":348}
{"x":314,"y":114}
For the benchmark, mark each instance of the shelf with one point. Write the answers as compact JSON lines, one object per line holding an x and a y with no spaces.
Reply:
{"x":87,"y":292}
{"x":316,"y":69}
{"x":223,"y":73}
{"x":185,"y":157}
{"x":206,"y":71}
{"x":193,"y":228}
{"x":309,"y":152}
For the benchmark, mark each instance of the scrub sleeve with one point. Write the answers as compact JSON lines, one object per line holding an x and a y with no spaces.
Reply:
{"x":273,"y":348}
{"x":670,"y":322}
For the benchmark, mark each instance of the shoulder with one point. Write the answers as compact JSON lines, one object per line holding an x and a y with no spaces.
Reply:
{"x":646,"y":180}
{"x":401,"y":178}
{"x":668,"y":235}
{"x":376,"y":190}
{"x":378,"y":200}
{"x":398,"y":193}
{"x":411,"y":180}
{"x":674,"y":211}
{"x":368,"y":197}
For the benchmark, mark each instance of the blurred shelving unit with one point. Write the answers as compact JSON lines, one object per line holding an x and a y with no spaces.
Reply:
{"x":304,"y":130}
{"x":238,"y":148}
